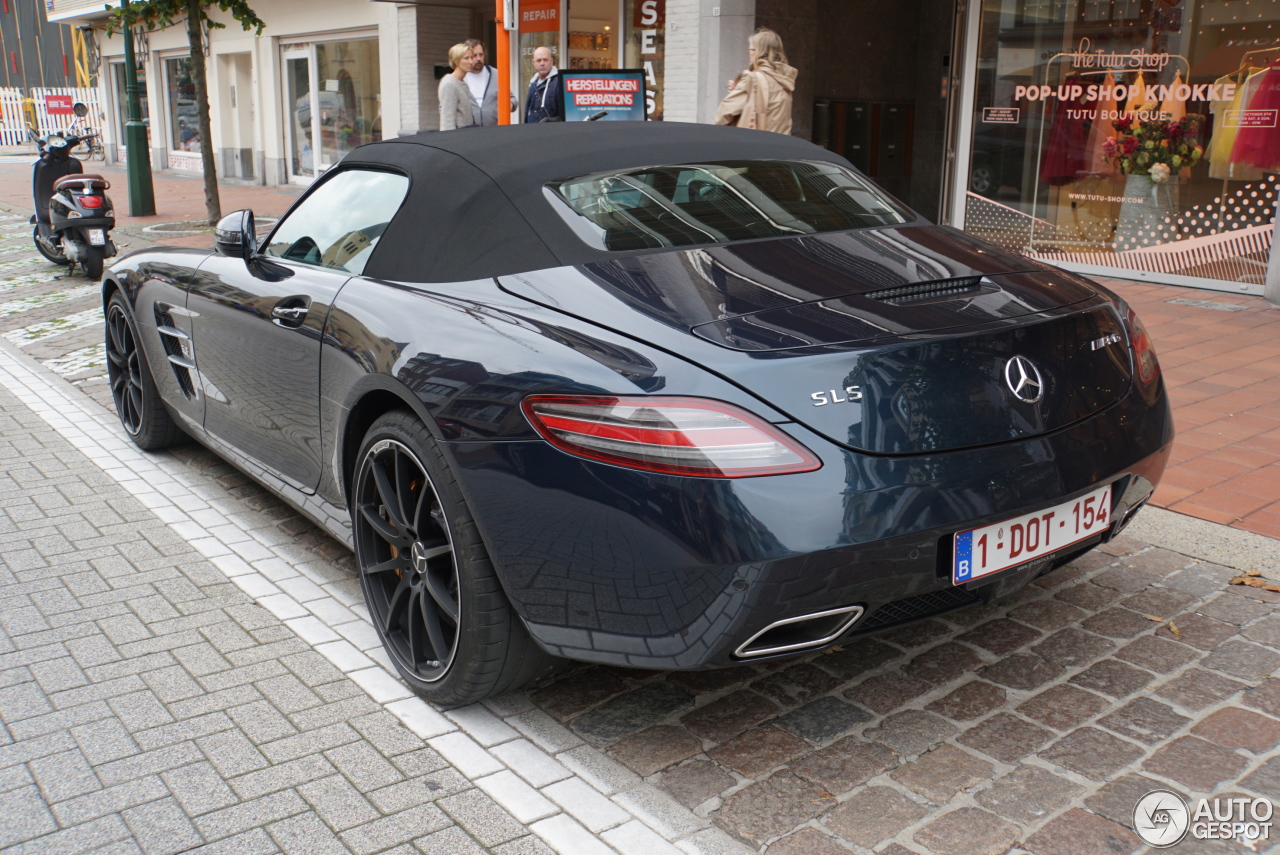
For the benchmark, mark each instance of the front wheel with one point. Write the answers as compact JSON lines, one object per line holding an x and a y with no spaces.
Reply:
{"x":92,"y":262}
{"x":430,"y":587}
{"x":137,"y":401}
{"x":50,"y":255}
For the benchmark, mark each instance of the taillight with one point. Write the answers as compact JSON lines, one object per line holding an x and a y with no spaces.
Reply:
{"x":678,"y":436}
{"x":1144,"y":355}
{"x":91,"y":201}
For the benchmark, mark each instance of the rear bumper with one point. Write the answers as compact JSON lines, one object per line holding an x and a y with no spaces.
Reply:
{"x":613,"y":565}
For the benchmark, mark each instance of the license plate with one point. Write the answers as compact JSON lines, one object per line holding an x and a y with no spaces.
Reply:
{"x":97,"y":237}
{"x":982,"y":551}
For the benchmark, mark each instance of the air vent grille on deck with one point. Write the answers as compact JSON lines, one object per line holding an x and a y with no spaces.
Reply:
{"x":927,"y":290}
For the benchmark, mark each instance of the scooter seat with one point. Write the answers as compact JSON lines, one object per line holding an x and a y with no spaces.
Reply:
{"x":86,"y":179}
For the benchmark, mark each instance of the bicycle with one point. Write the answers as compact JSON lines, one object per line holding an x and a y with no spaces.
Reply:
{"x":90,"y":147}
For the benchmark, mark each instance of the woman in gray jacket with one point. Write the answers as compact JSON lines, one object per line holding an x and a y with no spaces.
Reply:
{"x":455,"y":98}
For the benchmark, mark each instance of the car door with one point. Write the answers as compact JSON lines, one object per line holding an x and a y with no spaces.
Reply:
{"x":258,"y":324}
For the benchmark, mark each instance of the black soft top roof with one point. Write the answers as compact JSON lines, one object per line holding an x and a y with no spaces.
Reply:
{"x":476,"y":209}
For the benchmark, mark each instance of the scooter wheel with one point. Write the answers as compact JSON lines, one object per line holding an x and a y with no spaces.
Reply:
{"x":55,"y":257}
{"x":93,"y":262}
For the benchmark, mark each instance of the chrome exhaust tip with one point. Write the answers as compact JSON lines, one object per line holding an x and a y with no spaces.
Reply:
{"x":799,"y":633}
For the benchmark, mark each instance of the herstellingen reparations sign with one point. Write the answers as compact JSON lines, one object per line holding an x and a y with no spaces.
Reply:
{"x":618,"y":93}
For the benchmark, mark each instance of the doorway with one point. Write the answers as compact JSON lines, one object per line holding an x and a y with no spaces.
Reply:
{"x":235,"y":71}
{"x":882,"y":88}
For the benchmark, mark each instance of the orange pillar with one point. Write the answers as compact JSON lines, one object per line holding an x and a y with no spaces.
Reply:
{"x":504,"y":66}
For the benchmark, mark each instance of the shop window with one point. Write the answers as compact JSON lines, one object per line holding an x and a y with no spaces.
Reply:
{"x":122,"y":101}
{"x":1126,"y":134}
{"x":180,"y":86}
{"x":645,"y":48}
{"x":334,"y":99}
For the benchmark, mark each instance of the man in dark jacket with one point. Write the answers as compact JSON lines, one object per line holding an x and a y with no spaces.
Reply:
{"x":544,"y":101}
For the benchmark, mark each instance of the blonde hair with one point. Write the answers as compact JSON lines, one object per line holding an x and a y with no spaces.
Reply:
{"x":457,"y":52}
{"x":768,"y":45}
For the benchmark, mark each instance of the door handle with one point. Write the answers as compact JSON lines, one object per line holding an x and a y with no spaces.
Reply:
{"x":291,"y":311}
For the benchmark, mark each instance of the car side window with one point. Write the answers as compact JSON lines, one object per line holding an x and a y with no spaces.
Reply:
{"x":339,"y":224}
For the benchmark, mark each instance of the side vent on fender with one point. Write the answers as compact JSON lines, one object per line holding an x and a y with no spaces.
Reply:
{"x":177,"y":346}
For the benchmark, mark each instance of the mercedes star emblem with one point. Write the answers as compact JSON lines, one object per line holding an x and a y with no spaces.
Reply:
{"x":419,"y":556}
{"x":1024,"y":379}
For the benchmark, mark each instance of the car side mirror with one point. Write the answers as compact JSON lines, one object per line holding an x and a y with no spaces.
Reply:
{"x":235,"y":237}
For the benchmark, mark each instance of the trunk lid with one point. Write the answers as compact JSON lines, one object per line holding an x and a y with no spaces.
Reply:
{"x":893,"y":341}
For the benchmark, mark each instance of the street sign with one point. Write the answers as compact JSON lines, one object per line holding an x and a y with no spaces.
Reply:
{"x":59,"y":105}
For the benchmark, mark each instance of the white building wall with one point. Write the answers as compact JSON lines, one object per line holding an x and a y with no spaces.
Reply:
{"x":680,"y":94}
{"x":706,"y":47}
{"x":288,"y":23}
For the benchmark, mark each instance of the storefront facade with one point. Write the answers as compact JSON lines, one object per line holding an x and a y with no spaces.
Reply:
{"x":1136,"y":138}
{"x":1128,"y":138}
{"x":261,"y":89}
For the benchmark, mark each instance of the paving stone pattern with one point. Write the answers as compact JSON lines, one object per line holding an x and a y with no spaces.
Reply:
{"x":1033,"y":725}
{"x":182,"y":669}
{"x":149,"y":705}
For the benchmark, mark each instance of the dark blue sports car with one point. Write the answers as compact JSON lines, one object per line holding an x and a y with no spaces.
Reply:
{"x":658,"y":395}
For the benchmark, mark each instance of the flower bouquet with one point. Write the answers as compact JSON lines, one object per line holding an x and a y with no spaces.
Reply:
{"x":1155,"y":148}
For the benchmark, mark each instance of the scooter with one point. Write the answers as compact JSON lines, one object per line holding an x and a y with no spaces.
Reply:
{"x":74,"y":217}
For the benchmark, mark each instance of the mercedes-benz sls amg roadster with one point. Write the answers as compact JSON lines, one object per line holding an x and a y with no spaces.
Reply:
{"x":657,"y":395}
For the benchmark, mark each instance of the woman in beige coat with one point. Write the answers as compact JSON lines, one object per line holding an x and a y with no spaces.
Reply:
{"x":455,"y":98}
{"x":760,"y":97}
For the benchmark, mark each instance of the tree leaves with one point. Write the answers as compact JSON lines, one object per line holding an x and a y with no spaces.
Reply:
{"x":162,"y":14}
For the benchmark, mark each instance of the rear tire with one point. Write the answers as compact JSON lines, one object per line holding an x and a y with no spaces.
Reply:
{"x":431,"y":589}
{"x":55,"y":257}
{"x":93,"y":261}
{"x":137,"y":402}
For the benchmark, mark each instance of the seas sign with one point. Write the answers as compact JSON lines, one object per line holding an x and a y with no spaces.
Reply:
{"x":608,"y":95}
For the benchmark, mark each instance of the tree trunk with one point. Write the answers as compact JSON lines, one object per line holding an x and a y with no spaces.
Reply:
{"x":212,"y":205}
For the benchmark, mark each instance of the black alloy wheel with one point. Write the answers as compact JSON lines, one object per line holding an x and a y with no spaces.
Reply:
{"x":407,"y":561}
{"x":137,"y":402}
{"x":430,"y":587}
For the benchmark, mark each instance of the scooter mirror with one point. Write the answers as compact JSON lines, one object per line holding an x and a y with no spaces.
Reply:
{"x":80,"y":108}
{"x":235,"y":236}
{"x":32,"y":136}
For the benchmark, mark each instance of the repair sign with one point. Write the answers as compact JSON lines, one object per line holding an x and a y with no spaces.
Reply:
{"x":617,"y":93}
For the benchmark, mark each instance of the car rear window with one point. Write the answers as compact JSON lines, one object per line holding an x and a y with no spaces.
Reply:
{"x":708,"y":203}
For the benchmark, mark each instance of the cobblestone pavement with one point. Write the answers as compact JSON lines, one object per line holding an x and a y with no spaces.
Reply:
{"x":178,"y":672}
{"x":1028,"y":726}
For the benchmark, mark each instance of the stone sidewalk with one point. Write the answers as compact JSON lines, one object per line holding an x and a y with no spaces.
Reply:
{"x":179,"y":674}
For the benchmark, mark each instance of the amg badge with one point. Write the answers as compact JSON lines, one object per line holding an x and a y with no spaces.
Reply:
{"x":852,"y":393}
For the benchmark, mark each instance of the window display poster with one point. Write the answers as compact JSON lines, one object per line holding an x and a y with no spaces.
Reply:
{"x":646,"y":48}
{"x":613,"y":95}
{"x":1118,"y":135}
